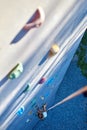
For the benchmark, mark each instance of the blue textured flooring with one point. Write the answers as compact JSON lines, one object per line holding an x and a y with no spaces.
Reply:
{"x":71,"y":115}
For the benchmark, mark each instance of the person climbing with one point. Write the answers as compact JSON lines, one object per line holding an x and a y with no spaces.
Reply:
{"x":37,"y":20}
{"x":42,"y":113}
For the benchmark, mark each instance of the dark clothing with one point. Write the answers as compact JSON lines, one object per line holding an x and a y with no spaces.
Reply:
{"x":85,"y":94}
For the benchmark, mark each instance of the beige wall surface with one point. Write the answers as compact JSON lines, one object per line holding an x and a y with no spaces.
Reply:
{"x":14,"y":14}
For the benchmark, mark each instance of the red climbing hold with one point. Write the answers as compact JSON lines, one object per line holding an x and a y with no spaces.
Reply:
{"x":42,"y":80}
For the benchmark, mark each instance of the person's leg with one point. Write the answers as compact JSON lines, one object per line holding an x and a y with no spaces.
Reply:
{"x":44,"y":107}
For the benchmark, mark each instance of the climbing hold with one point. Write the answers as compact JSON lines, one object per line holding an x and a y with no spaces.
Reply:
{"x":16,"y":71}
{"x":42,"y":97}
{"x":20,"y":110}
{"x":50,"y":81}
{"x":37,"y":20}
{"x":30,"y":112}
{"x":42,"y":80}
{"x":27,"y":88}
{"x":28,"y":120}
{"x":54,"y":49}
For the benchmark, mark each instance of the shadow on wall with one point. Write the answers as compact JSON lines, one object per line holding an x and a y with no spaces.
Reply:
{"x":3,"y":80}
{"x":23,"y":31}
{"x":44,"y":58}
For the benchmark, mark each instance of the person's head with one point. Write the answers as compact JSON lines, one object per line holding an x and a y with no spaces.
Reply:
{"x":40,"y":115}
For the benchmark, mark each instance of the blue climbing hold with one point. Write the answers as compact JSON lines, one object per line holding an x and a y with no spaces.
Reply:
{"x":20,"y":110}
{"x":50,"y":81}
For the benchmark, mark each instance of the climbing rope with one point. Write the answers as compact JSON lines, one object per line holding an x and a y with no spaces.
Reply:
{"x":77,"y":93}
